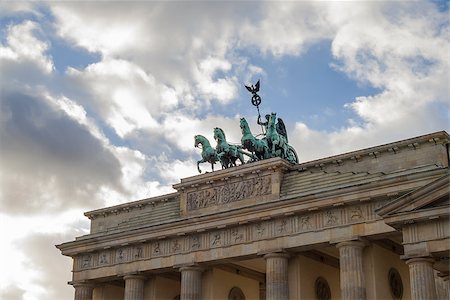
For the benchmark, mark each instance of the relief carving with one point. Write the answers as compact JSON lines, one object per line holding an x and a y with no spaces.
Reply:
{"x":121,"y":255}
{"x":176,"y":246}
{"x":156,"y":249}
{"x":87,"y":261}
{"x":237,"y":237}
{"x":103,"y":259}
{"x":356,"y":213}
{"x":216,"y":239}
{"x":195,"y":242}
{"x":260,"y":229}
{"x":305,"y":223}
{"x":331,"y":218}
{"x":282,"y":226}
{"x":230,"y":192}
{"x":138,"y":252}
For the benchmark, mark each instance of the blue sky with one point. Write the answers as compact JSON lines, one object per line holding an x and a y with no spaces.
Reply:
{"x":100,"y":100}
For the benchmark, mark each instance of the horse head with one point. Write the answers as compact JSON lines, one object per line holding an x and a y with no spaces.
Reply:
{"x":196,"y":141}
{"x":199,"y":139}
{"x":273,"y":118}
{"x":219,"y":134}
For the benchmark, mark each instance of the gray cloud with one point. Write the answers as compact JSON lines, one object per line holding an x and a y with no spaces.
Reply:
{"x":53,"y":269}
{"x":12,"y":292}
{"x":49,"y":161}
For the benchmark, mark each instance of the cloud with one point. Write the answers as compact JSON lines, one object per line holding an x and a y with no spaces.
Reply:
{"x":287,"y":28}
{"x":123,"y":94}
{"x":12,"y":292}
{"x":51,"y":270}
{"x":187,"y":55}
{"x":8,"y":8}
{"x":23,"y":56}
{"x":49,"y":161}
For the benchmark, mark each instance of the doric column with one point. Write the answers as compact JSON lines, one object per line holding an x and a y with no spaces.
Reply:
{"x":422,"y":278}
{"x":134,"y":287}
{"x":191,"y":283}
{"x":83,"y":291}
{"x":277,"y":287}
{"x":351,"y":270}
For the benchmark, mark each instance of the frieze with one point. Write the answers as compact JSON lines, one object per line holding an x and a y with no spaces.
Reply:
{"x":229,"y":192}
{"x":223,"y":237}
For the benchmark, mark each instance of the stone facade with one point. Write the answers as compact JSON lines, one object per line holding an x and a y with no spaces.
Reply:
{"x":370,"y":224}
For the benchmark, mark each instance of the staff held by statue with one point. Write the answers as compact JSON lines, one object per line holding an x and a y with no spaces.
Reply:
{"x":256,"y":101}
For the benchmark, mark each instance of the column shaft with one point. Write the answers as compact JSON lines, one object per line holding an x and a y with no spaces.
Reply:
{"x":134,"y":287}
{"x":191,"y":283}
{"x":277,"y":287}
{"x":422,"y":278}
{"x":83,"y":291}
{"x":351,"y":270}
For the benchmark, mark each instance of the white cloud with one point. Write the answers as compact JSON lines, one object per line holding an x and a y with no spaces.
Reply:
{"x":24,"y":50}
{"x":123,"y":94}
{"x":8,"y":8}
{"x":222,"y":89}
{"x":287,"y":28}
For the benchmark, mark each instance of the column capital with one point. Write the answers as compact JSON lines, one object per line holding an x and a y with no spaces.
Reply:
{"x":276,"y":255}
{"x":427,"y":259}
{"x":86,"y":284}
{"x":134,"y":276}
{"x":192,"y":267}
{"x":83,"y":290}
{"x":357,"y":243}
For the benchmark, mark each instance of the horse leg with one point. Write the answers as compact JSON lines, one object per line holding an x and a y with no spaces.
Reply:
{"x":198,"y":165}
{"x":273,"y":149}
{"x":241,"y":158}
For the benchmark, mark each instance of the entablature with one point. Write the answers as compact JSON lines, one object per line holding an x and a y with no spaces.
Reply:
{"x":381,"y":191}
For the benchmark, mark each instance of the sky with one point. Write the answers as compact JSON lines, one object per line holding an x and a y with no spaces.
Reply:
{"x":100,"y":101}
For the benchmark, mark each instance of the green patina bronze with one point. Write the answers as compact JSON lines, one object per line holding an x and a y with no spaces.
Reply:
{"x":228,"y":154}
{"x":209,"y":154}
{"x":273,"y":144}
{"x":258,"y":147}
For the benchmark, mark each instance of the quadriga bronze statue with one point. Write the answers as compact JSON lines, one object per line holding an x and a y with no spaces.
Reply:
{"x":273,"y":144}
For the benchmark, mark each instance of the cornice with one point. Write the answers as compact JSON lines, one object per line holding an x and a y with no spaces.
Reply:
{"x":439,"y":137}
{"x":139,"y":204}
{"x":271,"y":164}
{"x":405,"y":201}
